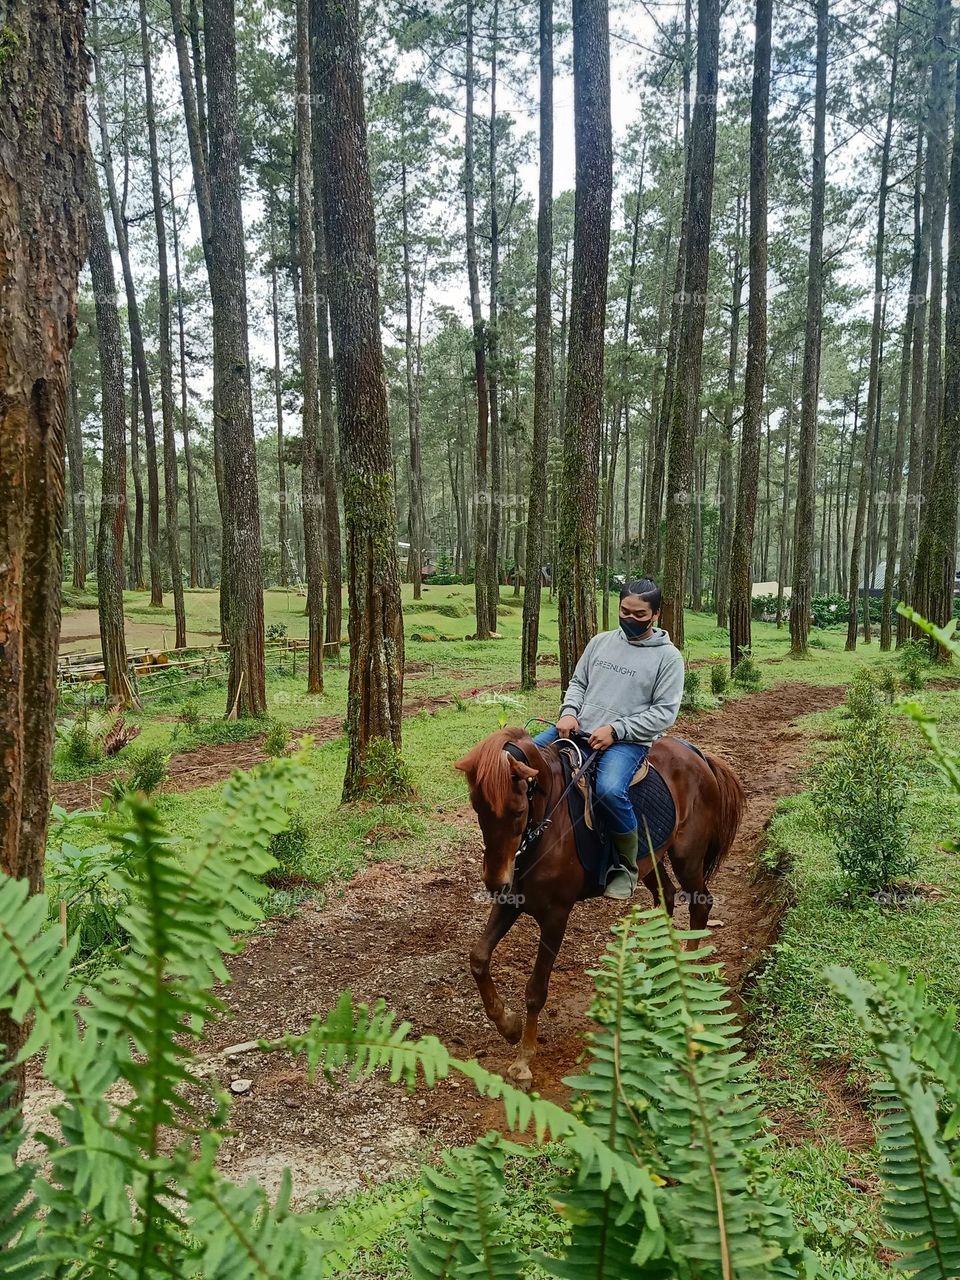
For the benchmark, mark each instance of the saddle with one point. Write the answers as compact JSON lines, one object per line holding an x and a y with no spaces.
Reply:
{"x":652,"y":802}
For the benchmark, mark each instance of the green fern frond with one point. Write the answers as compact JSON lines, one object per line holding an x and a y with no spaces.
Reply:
{"x":18,"y":1257}
{"x":461,"y":1232}
{"x":922,"y":1189}
{"x":366,"y":1040}
{"x":668,"y":1082}
{"x":352,"y":1230}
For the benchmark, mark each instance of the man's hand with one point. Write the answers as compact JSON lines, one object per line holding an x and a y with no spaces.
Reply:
{"x":603,"y":737}
{"x":567,"y":725}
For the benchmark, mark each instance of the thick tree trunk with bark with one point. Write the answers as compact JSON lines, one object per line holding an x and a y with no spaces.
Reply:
{"x":166,"y":351}
{"x":576,"y":564}
{"x":810,"y":387}
{"x":42,"y":247}
{"x":375,"y":697}
{"x":311,"y":487}
{"x":741,"y":551}
{"x":193,"y":507}
{"x":113,"y":499}
{"x":937,"y":554}
{"x":232,"y":402}
{"x":872,"y":427}
{"x":416,"y":523}
{"x":493,"y":347}
{"x":285,"y":565}
{"x":78,"y":501}
{"x":137,"y":582}
{"x":727,"y":446}
{"x":685,"y":410}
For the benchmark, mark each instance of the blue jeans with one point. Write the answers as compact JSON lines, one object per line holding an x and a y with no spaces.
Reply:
{"x":615,"y":768}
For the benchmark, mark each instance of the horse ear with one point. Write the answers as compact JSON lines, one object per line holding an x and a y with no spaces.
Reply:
{"x":521,"y":770}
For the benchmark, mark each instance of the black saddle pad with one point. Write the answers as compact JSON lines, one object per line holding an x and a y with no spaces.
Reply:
{"x":656,"y":816}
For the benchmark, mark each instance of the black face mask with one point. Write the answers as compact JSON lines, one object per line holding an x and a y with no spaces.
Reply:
{"x":634,"y":630}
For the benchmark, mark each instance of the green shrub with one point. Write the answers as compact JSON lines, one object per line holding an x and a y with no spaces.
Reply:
{"x":719,"y":680}
{"x":276,"y":632}
{"x":816,"y":641}
{"x":84,"y":744}
{"x":691,"y":690}
{"x":864,"y":696}
{"x":190,"y":714}
{"x":861,"y":794}
{"x":385,"y":776}
{"x":746,"y":674}
{"x":276,"y":740}
{"x":289,"y":846}
{"x":914,"y":658}
{"x":148,"y":769}
{"x":888,"y":682}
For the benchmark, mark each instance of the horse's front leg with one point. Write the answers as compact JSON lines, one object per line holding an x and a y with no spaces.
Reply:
{"x":503,"y":916}
{"x":552,"y":930}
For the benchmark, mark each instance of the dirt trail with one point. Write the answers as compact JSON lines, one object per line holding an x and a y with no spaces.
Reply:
{"x":404,"y":937}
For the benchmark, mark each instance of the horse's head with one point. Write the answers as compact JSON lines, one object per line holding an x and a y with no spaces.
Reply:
{"x":500,"y":795}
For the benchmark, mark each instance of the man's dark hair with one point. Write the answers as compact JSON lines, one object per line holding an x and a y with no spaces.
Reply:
{"x":646,"y":589}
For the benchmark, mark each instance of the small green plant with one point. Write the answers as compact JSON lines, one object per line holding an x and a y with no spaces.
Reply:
{"x":746,"y":674}
{"x":84,"y":744}
{"x":190,"y":714}
{"x":889,"y":683}
{"x":864,"y":696}
{"x":385,"y":776}
{"x":816,"y":641}
{"x":914,"y":659}
{"x":276,"y":740}
{"x":148,"y":769}
{"x":861,"y":793}
{"x":719,"y":680}
{"x":692,"y":694}
{"x":289,"y":847}
{"x":276,"y":632}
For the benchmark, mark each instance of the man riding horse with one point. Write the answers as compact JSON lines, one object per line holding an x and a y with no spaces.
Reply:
{"x":625,"y":694}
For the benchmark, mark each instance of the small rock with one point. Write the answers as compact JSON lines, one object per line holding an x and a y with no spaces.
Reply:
{"x":240,"y":1086}
{"x":716,"y":924}
{"x":233,"y":1050}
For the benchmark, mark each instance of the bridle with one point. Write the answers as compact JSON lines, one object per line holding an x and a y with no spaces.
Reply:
{"x":533,"y":831}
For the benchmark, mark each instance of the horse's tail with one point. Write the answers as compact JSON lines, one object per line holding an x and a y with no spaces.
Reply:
{"x":732,"y":801}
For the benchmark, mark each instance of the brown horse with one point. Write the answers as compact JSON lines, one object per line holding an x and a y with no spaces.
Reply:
{"x":511,"y":798}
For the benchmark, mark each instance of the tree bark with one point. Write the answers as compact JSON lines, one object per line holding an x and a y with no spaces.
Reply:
{"x":741,"y":551}
{"x":727,"y":446}
{"x":416,"y":520}
{"x":872,"y":428}
{"x":576,"y":565}
{"x":937,"y":556}
{"x":78,"y":503}
{"x":137,"y":582}
{"x":246,"y":686}
{"x":43,"y":235}
{"x":285,"y":565}
{"x":685,"y":410}
{"x":193,"y":507}
{"x":375,"y":696}
{"x":166,"y":352}
{"x":810,"y":389}
{"x":542,"y":365}
{"x":493,"y":347}
{"x":311,"y":487}
{"x":113,"y":500}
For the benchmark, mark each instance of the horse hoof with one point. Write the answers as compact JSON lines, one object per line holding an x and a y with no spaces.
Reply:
{"x":519,"y":1073}
{"x":512,"y":1028}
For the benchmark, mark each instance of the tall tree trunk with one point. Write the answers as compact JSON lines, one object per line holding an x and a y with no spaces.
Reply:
{"x":481,"y":524}
{"x":42,"y":247}
{"x":685,"y":410}
{"x":246,"y":686}
{"x":78,"y":502}
{"x":576,"y":565}
{"x":784,"y":550}
{"x":311,"y":486}
{"x":894,"y":518}
{"x":741,"y":551}
{"x":136,"y":331}
{"x":493,"y":346}
{"x":375,"y":698}
{"x":416,"y":520}
{"x":137,"y":582}
{"x":937,"y":556}
{"x":727,"y":447}
{"x":872,"y":426}
{"x":285,"y":565}
{"x":542,"y":365}
{"x":193,"y":508}
{"x":113,"y":501}
{"x":166,"y":352}
{"x":810,"y":389}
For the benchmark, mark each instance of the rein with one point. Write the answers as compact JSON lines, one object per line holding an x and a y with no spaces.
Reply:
{"x":532,"y":833}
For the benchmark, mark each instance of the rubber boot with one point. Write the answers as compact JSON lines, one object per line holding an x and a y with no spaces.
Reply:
{"x":622,"y":883}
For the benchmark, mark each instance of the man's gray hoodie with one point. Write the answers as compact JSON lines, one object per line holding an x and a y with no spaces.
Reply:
{"x":635,"y":686}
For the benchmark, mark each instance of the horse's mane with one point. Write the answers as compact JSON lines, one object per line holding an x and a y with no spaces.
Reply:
{"x":488,"y":767}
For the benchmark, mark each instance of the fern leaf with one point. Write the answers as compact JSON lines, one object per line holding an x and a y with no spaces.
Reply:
{"x":355,"y":1229}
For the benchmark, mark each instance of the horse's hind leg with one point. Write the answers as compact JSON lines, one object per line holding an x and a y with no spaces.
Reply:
{"x":503,"y":916}
{"x":551,"y":937}
{"x":689,"y":872}
{"x":661,"y":887}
